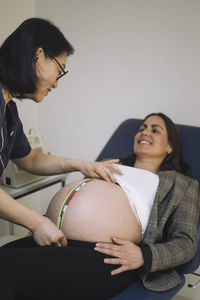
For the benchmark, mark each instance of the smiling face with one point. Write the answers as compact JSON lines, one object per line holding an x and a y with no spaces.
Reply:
{"x":151,"y":141}
{"x":47,"y":72}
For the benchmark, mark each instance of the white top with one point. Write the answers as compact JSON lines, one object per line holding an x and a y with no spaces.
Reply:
{"x":140,"y":187}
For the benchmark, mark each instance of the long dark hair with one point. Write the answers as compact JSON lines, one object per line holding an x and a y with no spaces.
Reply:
{"x":172,"y":161}
{"x":17,"y":54}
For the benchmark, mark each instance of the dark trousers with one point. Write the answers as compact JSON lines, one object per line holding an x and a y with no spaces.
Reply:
{"x":30,"y":272}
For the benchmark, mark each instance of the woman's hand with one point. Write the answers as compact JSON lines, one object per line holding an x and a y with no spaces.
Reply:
{"x":45,"y":233}
{"x":100,"y":169}
{"x":125,"y":253}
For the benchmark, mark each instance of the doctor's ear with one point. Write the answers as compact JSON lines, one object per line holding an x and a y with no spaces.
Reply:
{"x":38,"y":53}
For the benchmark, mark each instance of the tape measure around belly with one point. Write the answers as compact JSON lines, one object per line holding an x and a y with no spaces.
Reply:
{"x":68,"y":199}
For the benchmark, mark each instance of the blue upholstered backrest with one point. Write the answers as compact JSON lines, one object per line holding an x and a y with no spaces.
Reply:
{"x":121,"y":144}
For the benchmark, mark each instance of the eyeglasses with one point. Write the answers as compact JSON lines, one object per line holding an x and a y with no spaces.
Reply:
{"x":60,"y":66}
{"x":62,"y":69}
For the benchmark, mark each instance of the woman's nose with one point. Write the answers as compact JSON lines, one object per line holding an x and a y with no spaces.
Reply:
{"x":145,"y":131}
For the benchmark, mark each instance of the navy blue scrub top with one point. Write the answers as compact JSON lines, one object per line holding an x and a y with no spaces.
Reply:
{"x":13,"y":142}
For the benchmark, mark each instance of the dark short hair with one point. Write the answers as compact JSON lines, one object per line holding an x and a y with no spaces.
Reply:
{"x":17,"y":54}
{"x":172,"y":161}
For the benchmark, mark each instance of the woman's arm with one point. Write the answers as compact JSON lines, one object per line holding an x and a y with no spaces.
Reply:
{"x":43,"y":164}
{"x":180,"y":246}
{"x":43,"y":230}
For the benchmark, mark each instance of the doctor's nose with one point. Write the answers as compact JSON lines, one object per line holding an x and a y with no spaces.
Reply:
{"x":55,"y":84}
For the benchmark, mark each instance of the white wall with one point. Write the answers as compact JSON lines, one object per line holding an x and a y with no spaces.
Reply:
{"x":132,"y":57}
{"x":12,"y":13}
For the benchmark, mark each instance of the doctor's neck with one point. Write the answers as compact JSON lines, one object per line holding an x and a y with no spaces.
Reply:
{"x":6,"y":94}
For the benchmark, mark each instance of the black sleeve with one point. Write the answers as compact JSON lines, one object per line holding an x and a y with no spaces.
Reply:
{"x":21,"y":146}
{"x":147,"y":256}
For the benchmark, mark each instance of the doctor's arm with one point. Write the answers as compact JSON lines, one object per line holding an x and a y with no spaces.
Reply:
{"x":43,"y":230}
{"x":44,"y":164}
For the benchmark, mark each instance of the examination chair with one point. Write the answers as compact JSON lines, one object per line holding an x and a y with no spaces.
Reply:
{"x":120,"y":145}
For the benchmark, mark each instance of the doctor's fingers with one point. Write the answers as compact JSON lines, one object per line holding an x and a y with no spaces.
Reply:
{"x":105,"y":173}
{"x":47,"y":234}
{"x":111,"y":164}
{"x":61,"y":242}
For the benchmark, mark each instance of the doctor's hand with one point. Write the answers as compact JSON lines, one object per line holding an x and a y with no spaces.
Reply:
{"x":125,"y":253}
{"x":102,"y":169}
{"x":45,"y":233}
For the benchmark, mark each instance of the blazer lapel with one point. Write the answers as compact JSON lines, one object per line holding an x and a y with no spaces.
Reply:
{"x":166,"y":181}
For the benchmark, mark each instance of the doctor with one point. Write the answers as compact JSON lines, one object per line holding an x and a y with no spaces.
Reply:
{"x":32,"y":60}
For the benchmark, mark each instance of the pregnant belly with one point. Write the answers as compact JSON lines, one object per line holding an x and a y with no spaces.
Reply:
{"x":97,"y":212}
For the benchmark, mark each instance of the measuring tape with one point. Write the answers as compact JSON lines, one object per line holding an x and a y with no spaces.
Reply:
{"x":67,"y":200}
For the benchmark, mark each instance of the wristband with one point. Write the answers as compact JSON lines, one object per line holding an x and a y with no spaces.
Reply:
{"x":62,"y":166}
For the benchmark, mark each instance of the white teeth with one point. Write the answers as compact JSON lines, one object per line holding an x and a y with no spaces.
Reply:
{"x":144,"y":142}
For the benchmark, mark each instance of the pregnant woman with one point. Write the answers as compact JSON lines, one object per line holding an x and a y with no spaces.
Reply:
{"x":142,"y":226}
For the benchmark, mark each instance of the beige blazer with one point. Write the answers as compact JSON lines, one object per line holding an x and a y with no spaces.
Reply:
{"x":171,"y":230}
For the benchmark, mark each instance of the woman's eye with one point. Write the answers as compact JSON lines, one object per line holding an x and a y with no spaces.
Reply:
{"x":141,"y":129}
{"x":155,"y":130}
